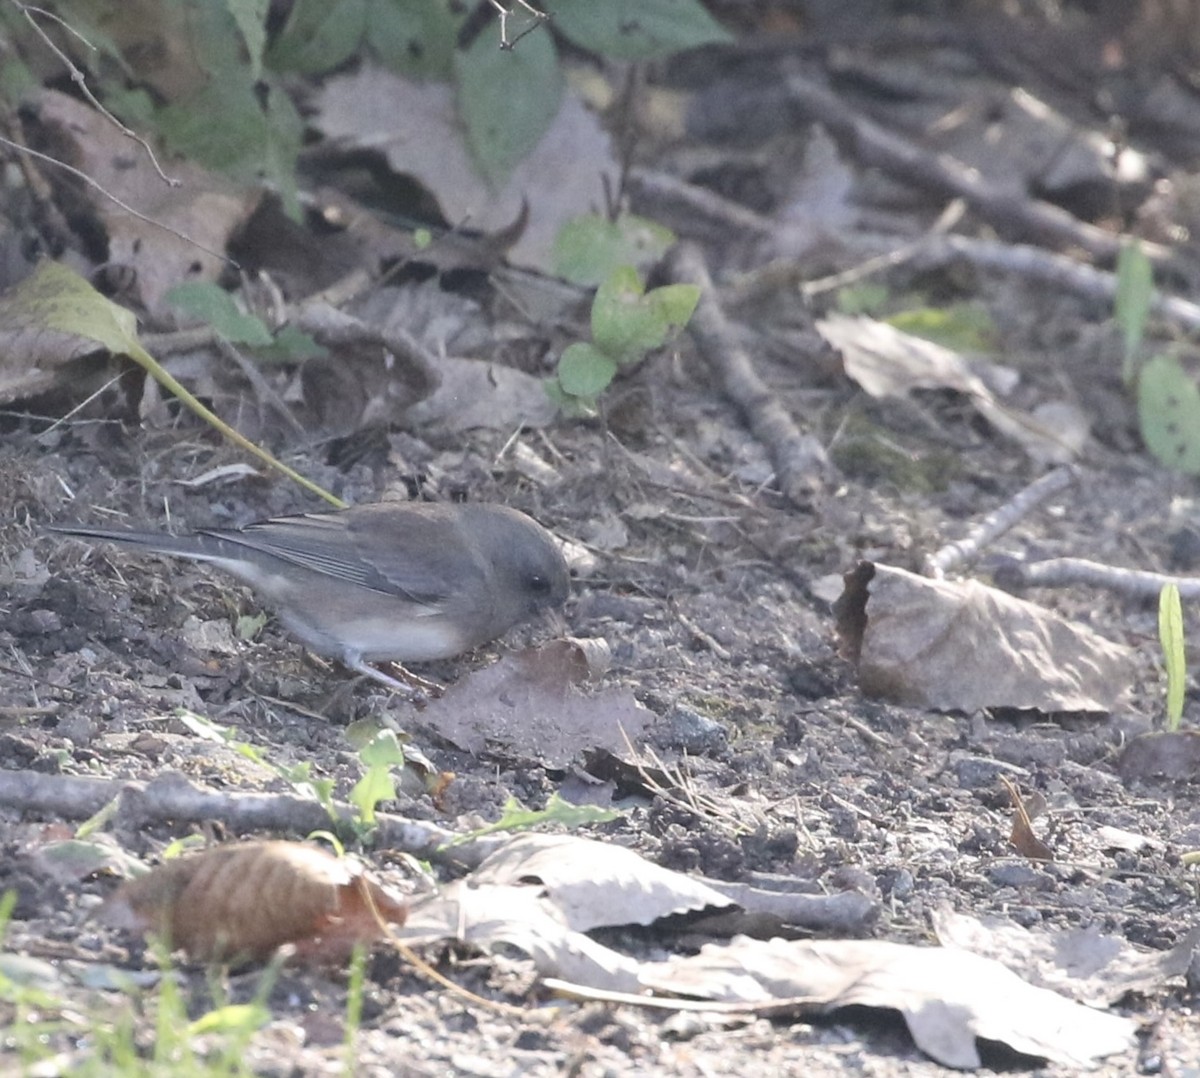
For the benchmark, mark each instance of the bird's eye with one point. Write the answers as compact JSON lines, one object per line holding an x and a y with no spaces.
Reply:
{"x":539,"y":584}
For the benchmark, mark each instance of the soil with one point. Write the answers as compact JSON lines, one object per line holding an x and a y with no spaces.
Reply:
{"x":713,"y":592}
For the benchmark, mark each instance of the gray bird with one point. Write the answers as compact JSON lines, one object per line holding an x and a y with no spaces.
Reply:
{"x":405,"y":582}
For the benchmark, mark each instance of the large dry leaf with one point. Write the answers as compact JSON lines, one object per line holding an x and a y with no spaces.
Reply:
{"x":541,"y":893}
{"x":964,"y":646}
{"x":205,"y":208}
{"x":491,"y":916}
{"x":1082,"y":963}
{"x":240,"y":902}
{"x":597,"y":884}
{"x":416,"y":125}
{"x":948,"y":997}
{"x":47,"y":322}
{"x":528,"y":704}
{"x":474,"y":393}
{"x":887,"y":362}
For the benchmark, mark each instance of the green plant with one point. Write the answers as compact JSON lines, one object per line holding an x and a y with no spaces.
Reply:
{"x":225,"y":65}
{"x":55,"y":298}
{"x":1135,"y":292}
{"x":101,"y":1029}
{"x":1168,"y":398}
{"x":1170,"y":637}
{"x":379,"y":756}
{"x":298,"y":776}
{"x":627,"y":322}
{"x":589,"y":248}
{"x":516,"y":817}
{"x":210,"y":303}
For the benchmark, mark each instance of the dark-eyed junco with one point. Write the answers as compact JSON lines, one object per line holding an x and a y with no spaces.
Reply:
{"x":404,"y":582}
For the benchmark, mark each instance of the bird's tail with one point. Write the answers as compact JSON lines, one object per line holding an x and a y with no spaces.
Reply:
{"x":199,"y":547}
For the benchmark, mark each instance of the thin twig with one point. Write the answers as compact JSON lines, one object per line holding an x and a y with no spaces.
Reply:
{"x":947,"y":219}
{"x":996,"y":523}
{"x":1069,"y":572}
{"x":1049,"y":268}
{"x":113,"y":198}
{"x":539,"y":17}
{"x":261,"y":386}
{"x":80,"y":79}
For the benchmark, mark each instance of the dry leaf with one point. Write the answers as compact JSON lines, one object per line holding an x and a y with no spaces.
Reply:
{"x":1082,"y":963}
{"x":597,"y":884}
{"x":491,"y":916}
{"x":528,"y":704}
{"x":241,"y":902}
{"x":948,"y":997}
{"x":206,"y":208}
{"x":541,"y":893}
{"x":474,"y":393}
{"x":417,"y":126}
{"x":1022,"y":838}
{"x":965,"y":646}
{"x":887,"y":362}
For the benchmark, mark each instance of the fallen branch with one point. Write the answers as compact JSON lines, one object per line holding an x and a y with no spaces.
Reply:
{"x":875,"y":147}
{"x":173,"y":797}
{"x":1069,"y":572}
{"x":1046,"y":267}
{"x":996,"y":523}
{"x":799,"y":459}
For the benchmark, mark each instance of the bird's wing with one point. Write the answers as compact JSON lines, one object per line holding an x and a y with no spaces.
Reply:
{"x":328,"y":545}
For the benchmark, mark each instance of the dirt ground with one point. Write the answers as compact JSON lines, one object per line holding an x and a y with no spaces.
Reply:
{"x":713,"y":591}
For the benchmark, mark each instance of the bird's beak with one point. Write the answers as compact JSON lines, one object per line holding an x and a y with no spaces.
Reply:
{"x":554,"y":617}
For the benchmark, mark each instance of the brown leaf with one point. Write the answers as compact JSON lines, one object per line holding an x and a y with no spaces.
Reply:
{"x":961,"y":645}
{"x":240,"y":902}
{"x":949,"y":998}
{"x":206,"y":208}
{"x":1022,"y":838}
{"x":529,"y":704}
{"x":562,"y":176}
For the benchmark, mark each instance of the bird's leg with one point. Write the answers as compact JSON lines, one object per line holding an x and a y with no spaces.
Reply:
{"x":412,"y":686}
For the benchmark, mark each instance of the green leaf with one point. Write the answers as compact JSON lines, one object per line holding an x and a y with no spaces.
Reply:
{"x":573,"y":407}
{"x":318,"y":36}
{"x":965,"y":327}
{"x":281,"y":148}
{"x":588,"y":248}
{"x":865,"y":298}
{"x":232,"y":1018}
{"x":291,"y":345}
{"x":56,"y":298}
{"x":15,"y":80}
{"x":1135,"y":290}
{"x":210,"y":303}
{"x":507,"y":99}
{"x":1170,"y":636}
{"x":627,"y":324}
{"x":375,"y":786}
{"x":676,"y":303}
{"x":635,"y":29}
{"x":584,"y":371}
{"x":414,"y":37}
{"x":251,"y":19}
{"x":258,"y":135}
{"x":516,"y":817}
{"x":1169,"y":413}
{"x":383,"y":750}
{"x":380,"y":755}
